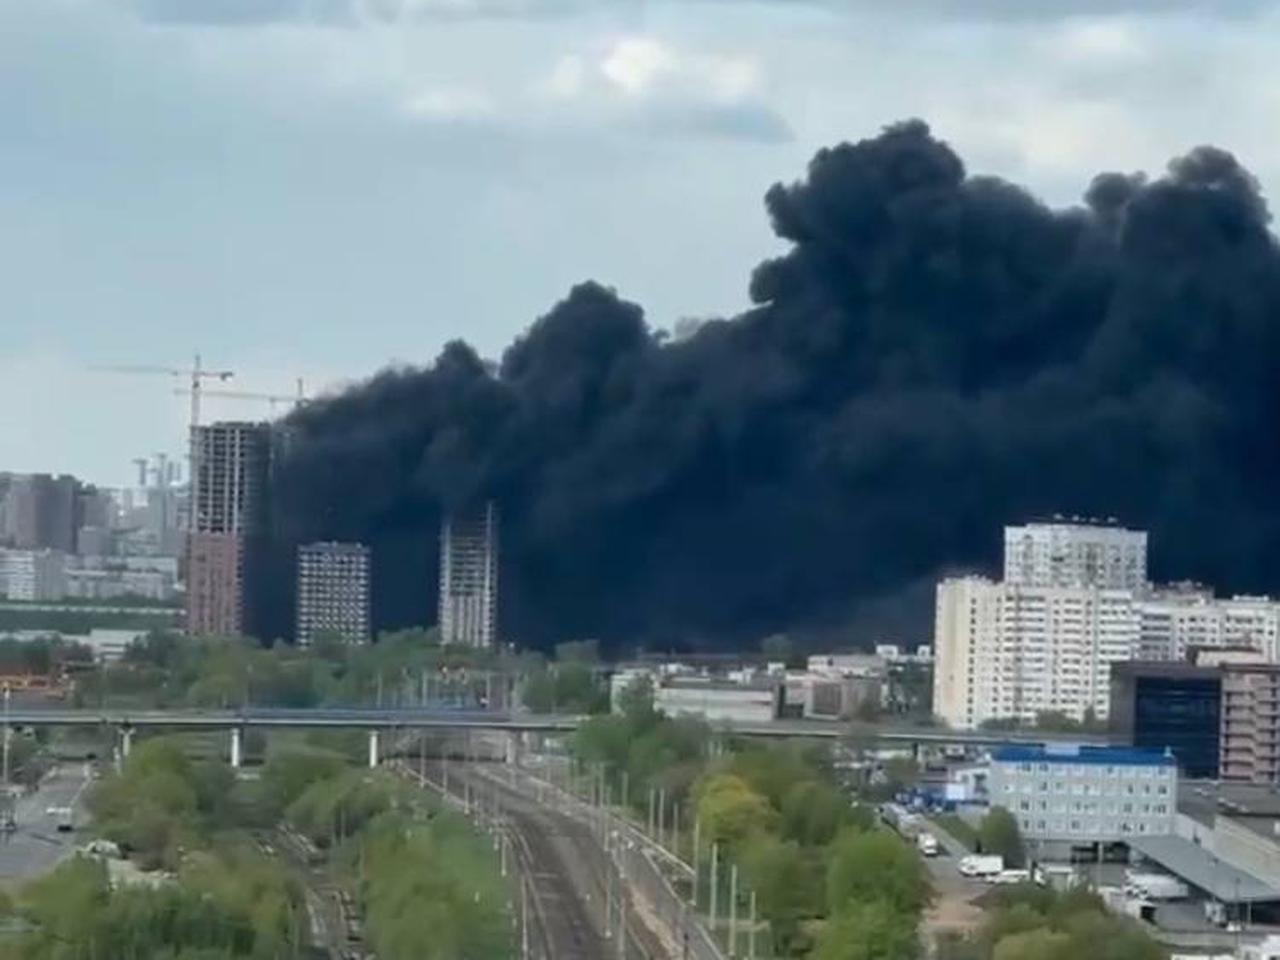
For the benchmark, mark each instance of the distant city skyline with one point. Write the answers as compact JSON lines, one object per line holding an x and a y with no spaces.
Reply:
{"x":317,"y":196}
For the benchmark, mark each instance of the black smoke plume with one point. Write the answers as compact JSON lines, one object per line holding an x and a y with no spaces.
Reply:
{"x":937,"y":354}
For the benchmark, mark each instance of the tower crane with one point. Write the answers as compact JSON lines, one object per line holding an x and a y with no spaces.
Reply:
{"x":271,"y":398}
{"x":197,"y":374}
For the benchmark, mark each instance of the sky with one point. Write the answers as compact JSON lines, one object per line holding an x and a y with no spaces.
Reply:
{"x":318,"y":188}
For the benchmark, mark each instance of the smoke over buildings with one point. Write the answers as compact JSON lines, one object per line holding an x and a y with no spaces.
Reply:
{"x":936,"y":354}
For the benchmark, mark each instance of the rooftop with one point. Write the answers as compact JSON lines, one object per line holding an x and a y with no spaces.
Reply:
{"x":1202,"y":869}
{"x":1200,"y":799}
{"x":1083,"y":753}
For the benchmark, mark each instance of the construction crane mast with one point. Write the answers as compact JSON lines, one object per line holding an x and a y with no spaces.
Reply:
{"x":196,"y":374}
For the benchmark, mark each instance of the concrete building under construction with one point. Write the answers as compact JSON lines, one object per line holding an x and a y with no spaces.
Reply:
{"x":469,"y":578}
{"x":230,"y":462}
{"x":333,"y":592}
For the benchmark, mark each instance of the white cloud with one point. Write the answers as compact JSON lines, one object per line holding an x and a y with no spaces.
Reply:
{"x":635,"y":64}
{"x":665,"y":87}
{"x":1104,"y":40}
{"x":449,"y":103}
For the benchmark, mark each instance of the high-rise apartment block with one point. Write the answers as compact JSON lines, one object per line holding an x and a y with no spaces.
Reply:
{"x":1074,"y":601}
{"x":469,"y":578}
{"x":1005,"y":651}
{"x":1075,"y":554}
{"x":333,"y":592}
{"x":1178,"y":620}
{"x":228,"y":486}
{"x":41,"y":512}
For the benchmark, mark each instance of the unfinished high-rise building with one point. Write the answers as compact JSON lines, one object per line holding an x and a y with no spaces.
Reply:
{"x":333,"y":592}
{"x":469,"y":577}
{"x":230,"y":461}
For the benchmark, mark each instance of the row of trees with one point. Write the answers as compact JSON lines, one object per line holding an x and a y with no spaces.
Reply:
{"x":218,"y":897}
{"x":402,"y":668}
{"x":826,"y":880}
{"x":428,"y":884}
{"x":1031,"y":923}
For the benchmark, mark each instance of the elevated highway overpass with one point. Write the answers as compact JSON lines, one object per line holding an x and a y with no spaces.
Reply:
{"x":457,"y":721}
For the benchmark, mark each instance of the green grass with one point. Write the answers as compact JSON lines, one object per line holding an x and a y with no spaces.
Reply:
{"x":958,"y":828}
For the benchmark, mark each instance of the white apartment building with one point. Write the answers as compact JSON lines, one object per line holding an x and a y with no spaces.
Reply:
{"x":1175,"y":620}
{"x":1008,"y":651}
{"x":32,"y":574}
{"x":1075,"y":554}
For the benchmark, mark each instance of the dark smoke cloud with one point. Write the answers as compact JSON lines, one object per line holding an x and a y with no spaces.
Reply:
{"x":936,"y":354}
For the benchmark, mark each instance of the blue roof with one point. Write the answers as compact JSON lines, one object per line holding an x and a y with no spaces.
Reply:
{"x":1082,"y":753}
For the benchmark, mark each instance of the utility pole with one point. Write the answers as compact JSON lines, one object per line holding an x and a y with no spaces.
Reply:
{"x":524,"y":918}
{"x":715,"y":883}
{"x":662,"y":805}
{"x":733,"y":911}
{"x":697,"y":859}
{"x":7,"y":736}
{"x":751,"y":935}
{"x":608,"y":896}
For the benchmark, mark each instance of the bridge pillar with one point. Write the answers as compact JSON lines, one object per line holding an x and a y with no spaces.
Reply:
{"x":126,"y":742}
{"x":236,"y":748}
{"x":373,"y":749}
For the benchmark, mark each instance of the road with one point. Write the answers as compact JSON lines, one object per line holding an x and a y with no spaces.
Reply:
{"x":953,"y":909}
{"x":36,"y":846}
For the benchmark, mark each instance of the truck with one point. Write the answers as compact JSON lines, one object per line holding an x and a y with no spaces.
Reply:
{"x":981,"y":866}
{"x":927,"y":844}
{"x":63,"y":817}
{"x":1154,"y":886}
{"x":1012,"y":876}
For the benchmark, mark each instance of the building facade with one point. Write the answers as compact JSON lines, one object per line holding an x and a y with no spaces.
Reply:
{"x":229,"y":477}
{"x":718,"y":700}
{"x":1174,"y":621}
{"x":1157,"y":705}
{"x":333,"y":592}
{"x":39,"y":511}
{"x":468,"y":598}
{"x":1250,"y":741}
{"x":1086,"y":795}
{"x":1075,"y":554}
{"x":1008,"y":651}
{"x":33,"y":574}
{"x":1218,"y":713}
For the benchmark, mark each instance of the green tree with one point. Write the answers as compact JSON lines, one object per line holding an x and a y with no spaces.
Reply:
{"x":876,"y":866}
{"x":868,"y":931}
{"x":787,"y":886}
{"x":729,"y":810}
{"x":999,"y":833}
{"x":1038,"y":944}
{"x":813,"y":812}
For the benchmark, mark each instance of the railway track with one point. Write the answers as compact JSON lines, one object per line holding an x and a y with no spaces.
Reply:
{"x":564,"y":865}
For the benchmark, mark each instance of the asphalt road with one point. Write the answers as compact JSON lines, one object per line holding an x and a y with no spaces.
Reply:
{"x":36,"y":846}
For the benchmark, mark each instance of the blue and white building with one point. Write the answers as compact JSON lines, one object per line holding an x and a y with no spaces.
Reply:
{"x":1083,"y":795}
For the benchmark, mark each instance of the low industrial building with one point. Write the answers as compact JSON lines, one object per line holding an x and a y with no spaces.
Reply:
{"x":718,"y":700}
{"x":1083,"y":796}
